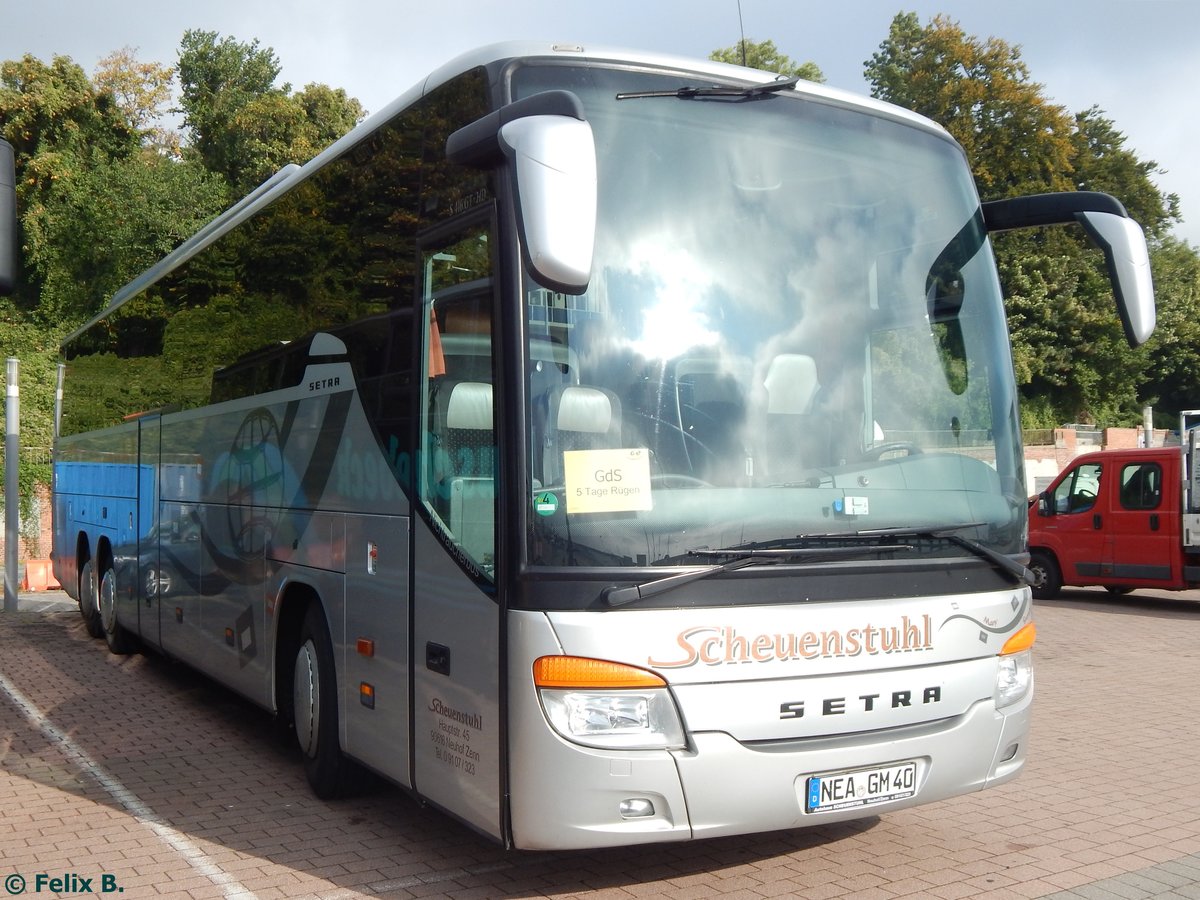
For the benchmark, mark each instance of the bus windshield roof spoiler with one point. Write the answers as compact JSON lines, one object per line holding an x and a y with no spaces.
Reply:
{"x":1111,"y":228}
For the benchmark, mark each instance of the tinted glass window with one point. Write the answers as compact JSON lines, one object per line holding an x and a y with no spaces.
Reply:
{"x":339,"y":253}
{"x":1141,"y":486}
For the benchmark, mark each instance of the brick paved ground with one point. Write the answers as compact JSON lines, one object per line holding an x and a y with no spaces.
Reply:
{"x":137,"y":769}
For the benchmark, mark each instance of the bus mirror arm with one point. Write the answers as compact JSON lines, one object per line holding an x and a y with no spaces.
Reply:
{"x":478,"y":144}
{"x":552,"y":157}
{"x":1109,"y":225}
{"x":8,"y":219}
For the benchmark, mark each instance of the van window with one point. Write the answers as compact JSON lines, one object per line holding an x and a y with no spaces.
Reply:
{"x":1077,"y":492}
{"x":1141,"y":486}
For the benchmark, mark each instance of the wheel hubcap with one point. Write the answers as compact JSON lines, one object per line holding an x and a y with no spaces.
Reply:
{"x":306,"y":698}
{"x":108,"y":600}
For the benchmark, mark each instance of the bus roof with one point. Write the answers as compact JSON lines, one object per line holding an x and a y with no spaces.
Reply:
{"x":491,"y":56}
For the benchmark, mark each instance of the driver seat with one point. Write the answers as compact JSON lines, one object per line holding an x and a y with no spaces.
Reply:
{"x":581,"y":418}
{"x":797,"y":435}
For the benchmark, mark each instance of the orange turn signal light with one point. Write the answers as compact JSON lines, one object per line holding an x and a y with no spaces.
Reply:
{"x":590,"y":674}
{"x":1020,"y":641}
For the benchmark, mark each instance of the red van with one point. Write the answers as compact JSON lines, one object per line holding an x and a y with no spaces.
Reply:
{"x":1123,"y":519}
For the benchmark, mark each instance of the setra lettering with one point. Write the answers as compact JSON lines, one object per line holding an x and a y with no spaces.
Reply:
{"x":839,"y":706}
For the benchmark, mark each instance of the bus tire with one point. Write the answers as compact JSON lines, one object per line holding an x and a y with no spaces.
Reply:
{"x":89,"y":599}
{"x":315,"y":710}
{"x":118,"y":639}
{"x":1047,"y":579}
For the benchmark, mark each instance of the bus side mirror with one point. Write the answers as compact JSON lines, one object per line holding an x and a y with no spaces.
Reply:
{"x":8,"y":219}
{"x":552,"y":156}
{"x":1124,"y":247}
{"x":555,"y":162}
{"x":1108,"y":224}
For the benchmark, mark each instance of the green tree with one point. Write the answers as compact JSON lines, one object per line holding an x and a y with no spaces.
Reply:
{"x":1173,"y":351}
{"x":1071,"y":360}
{"x":110,"y":222}
{"x":274,"y":130}
{"x":142,"y":91}
{"x":980,"y":91}
{"x":218,"y":79}
{"x":766,"y":56}
{"x":1102,"y":162}
{"x":95,"y":206}
{"x":60,"y":128}
{"x":241,"y":125}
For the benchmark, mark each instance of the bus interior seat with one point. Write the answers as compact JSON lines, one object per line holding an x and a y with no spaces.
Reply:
{"x":582,"y":418}
{"x":464,"y":462}
{"x":711,"y":408}
{"x":469,"y":428}
{"x":797,"y":437}
{"x":461,"y":430}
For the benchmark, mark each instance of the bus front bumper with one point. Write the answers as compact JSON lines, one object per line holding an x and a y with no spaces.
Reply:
{"x":570,"y":797}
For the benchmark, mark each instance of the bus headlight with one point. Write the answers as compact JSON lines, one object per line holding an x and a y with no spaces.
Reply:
{"x":1014,"y":674}
{"x":608,"y":705}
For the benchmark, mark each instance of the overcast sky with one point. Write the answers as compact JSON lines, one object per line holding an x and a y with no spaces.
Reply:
{"x":1138,"y":60}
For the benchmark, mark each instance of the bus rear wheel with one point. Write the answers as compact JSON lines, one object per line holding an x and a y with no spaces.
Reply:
{"x":315,"y":712}
{"x":89,"y":599}
{"x":118,"y":639}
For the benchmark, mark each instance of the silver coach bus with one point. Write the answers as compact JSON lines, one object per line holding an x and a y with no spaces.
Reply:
{"x":605,"y":448}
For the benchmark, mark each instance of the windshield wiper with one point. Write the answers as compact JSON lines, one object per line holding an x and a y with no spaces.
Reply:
{"x":690,"y":92}
{"x":947,"y":533}
{"x":740,"y":557}
{"x":853,"y":543}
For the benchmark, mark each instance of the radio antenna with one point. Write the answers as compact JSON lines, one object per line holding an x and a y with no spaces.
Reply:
{"x":742,"y":31}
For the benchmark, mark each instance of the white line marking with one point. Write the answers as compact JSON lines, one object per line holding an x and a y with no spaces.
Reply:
{"x":192,"y":854}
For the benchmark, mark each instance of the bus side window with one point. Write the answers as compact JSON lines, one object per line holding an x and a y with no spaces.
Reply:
{"x":458,"y":481}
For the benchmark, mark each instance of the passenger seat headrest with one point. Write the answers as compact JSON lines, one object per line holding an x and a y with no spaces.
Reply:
{"x":584,"y":409}
{"x":470,"y":406}
{"x":791,"y":384}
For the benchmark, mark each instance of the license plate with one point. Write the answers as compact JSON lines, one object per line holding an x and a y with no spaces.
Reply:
{"x":866,"y":787}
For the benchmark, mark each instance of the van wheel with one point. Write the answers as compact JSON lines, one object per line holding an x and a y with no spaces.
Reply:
{"x":1047,"y":578}
{"x":118,"y":639}
{"x":89,"y":599}
{"x":315,"y":711}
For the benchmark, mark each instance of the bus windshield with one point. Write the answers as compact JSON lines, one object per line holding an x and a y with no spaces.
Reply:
{"x":793,"y":330}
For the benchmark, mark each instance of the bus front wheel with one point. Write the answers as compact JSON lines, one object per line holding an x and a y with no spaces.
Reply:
{"x":314,"y":702}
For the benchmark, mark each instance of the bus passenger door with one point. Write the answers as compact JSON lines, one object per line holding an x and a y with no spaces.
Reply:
{"x":375,"y":692}
{"x":456,"y":614}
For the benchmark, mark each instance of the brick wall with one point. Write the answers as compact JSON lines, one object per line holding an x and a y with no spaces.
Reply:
{"x":1044,"y":461}
{"x":36,"y":535}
